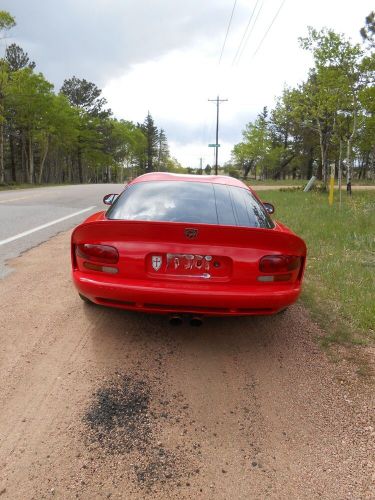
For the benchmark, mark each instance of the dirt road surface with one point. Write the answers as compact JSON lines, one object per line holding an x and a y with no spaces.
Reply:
{"x":98,"y":403}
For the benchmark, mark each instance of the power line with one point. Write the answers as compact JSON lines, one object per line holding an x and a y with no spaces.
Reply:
{"x":229,"y":25}
{"x":249,"y":34}
{"x":245,"y":32}
{"x":269,"y":27}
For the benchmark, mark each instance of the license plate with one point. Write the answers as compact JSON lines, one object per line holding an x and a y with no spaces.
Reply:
{"x":189,"y":262}
{"x":189,"y":265}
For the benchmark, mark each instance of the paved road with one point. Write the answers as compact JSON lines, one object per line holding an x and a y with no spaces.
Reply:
{"x":24,"y":211}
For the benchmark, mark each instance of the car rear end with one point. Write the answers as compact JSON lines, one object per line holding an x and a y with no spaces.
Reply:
{"x":173,"y":266}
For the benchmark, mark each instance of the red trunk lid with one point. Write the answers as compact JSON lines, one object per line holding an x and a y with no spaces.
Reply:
{"x":188,"y":252}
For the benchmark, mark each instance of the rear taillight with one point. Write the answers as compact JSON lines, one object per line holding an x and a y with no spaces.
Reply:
{"x":279,"y":268}
{"x":98,"y":267}
{"x":279,"y":263}
{"x":97,"y":253}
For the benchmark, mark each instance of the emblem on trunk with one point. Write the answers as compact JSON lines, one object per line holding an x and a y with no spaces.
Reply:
{"x":191,"y":233}
{"x":156,"y":261}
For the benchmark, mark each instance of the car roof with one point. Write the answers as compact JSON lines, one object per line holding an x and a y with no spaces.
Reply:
{"x":166,"y":176}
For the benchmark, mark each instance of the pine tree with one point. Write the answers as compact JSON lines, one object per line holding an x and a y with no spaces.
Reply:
{"x":152,"y":136}
{"x":17,"y":58}
{"x":85,"y":97}
{"x":163,"y":151}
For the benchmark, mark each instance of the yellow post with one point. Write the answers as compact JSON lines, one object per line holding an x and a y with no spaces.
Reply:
{"x":331,"y":185}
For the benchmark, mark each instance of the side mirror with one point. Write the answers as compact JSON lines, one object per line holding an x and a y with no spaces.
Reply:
{"x":109,"y":199}
{"x":269,"y":207}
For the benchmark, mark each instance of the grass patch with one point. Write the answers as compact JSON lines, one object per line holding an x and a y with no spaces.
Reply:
{"x":340,"y":273}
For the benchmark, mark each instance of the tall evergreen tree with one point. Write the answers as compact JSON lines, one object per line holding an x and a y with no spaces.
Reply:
{"x":17,"y":58}
{"x":85,"y":96}
{"x":152,"y":137}
{"x":163,"y":151}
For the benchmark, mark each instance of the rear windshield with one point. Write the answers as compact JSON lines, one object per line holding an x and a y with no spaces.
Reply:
{"x":198,"y":202}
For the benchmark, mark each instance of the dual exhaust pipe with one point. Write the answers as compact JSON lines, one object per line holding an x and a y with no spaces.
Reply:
{"x":176,"y":320}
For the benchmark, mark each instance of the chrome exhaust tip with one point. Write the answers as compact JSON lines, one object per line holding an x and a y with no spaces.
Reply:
{"x":196,"y":321}
{"x":175,"y":320}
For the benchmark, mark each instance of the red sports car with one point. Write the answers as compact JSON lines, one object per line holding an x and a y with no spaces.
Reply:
{"x":188,"y":244}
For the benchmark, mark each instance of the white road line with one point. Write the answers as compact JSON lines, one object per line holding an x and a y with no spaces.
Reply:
{"x":30,"y":231}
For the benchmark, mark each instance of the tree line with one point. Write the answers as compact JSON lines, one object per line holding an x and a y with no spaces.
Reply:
{"x":70,"y":136}
{"x":325,"y":125}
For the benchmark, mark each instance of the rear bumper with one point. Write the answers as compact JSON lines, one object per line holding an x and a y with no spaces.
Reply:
{"x":169,"y":298}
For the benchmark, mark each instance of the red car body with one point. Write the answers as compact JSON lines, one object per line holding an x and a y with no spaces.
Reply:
{"x":177,"y":266}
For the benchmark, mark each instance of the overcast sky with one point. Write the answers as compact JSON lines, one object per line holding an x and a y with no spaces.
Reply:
{"x":163,"y":56}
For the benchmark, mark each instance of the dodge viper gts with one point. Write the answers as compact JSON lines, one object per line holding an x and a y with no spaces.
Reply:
{"x":187,"y":244}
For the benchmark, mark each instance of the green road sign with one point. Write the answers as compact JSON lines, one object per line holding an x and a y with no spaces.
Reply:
{"x":214,"y":145}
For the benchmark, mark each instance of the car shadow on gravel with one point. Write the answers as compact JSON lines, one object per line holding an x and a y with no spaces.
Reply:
{"x":116,"y":323}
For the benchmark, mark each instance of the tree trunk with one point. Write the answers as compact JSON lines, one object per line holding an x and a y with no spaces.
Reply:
{"x":44,"y":156}
{"x":324,"y":144}
{"x":12,"y":157}
{"x":80,"y":169}
{"x":349,"y":151}
{"x":323,"y":159}
{"x":364,"y":166}
{"x":25,"y":159}
{"x":339,"y":174}
{"x":331,"y":183}
{"x":70,"y":169}
{"x":31,"y":160}
{"x":348,"y":167}
{"x":247,"y":167}
{"x":310,"y":164}
{"x":2,"y":170}
{"x":280,"y":172}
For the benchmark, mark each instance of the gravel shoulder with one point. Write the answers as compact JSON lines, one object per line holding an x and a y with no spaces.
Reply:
{"x":99,"y":403}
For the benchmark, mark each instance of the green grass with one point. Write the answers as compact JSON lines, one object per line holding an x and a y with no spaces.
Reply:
{"x":339,"y":286}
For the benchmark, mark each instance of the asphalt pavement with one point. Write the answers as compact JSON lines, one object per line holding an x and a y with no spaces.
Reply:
{"x":29,"y":217}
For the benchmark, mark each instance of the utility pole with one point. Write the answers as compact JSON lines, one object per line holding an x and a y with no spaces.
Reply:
{"x":201,"y":165}
{"x":218,"y":101}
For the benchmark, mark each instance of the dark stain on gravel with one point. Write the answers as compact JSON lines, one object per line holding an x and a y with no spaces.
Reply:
{"x":119,"y":416}
{"x":124,"y":419}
